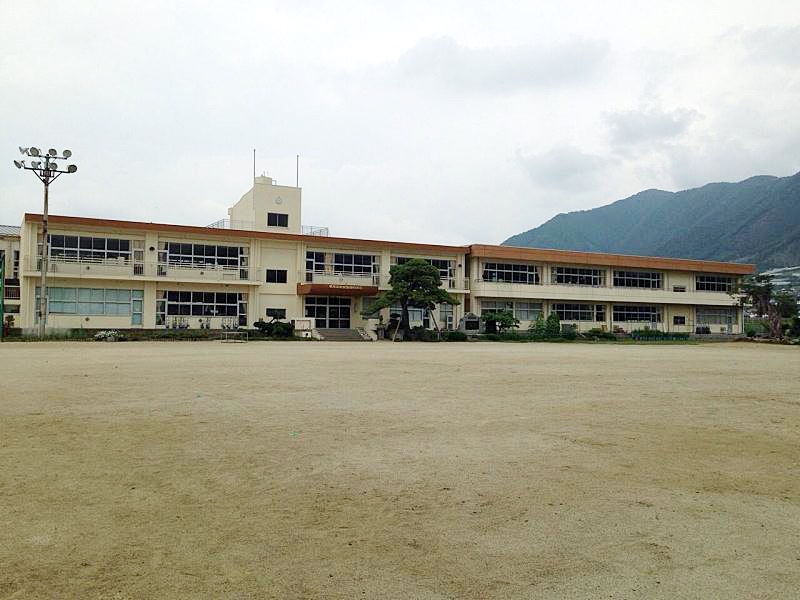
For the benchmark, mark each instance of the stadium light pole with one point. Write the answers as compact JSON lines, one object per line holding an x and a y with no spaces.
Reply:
{"x":44,"y":166}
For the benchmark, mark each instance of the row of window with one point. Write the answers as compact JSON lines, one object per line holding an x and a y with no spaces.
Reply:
{"x":174,"y":303}
{"x":102,"y":248}
{"x":446,"y":267}
{"x":94,"y":301}
{"x":182,"y":254}
{"x":529,"y":274}
{"x":80,"y":247}
{"x":511,"y":273}
{"x":341,"y":263}
{"x":575,"y":311}
{"x":522,"y":310}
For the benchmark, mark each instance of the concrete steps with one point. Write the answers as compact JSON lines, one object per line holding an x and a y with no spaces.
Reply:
{"x":341,"y":335}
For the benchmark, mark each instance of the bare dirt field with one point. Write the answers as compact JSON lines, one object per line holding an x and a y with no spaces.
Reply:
{"x":325,"y":470}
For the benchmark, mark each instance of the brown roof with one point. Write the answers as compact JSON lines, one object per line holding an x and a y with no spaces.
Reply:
{"x":320,"y":241}
{"x":478,"y":250}
{"x":610,"y":260}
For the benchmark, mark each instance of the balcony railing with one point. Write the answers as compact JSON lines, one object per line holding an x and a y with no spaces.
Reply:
{"x":125,"y":267}
{"x":11,"y":292}
{"x":251,"y":226}
{"x":336,"y":277}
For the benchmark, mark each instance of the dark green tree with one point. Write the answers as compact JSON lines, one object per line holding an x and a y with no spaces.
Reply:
{"x":552,"y":325}
{"x":500,"y":320}
{"x":415,"y":283}
{"x":758,"y":292}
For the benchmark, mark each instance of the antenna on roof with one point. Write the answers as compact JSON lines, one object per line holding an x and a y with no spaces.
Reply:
{"x":297,"y":172}
{"x":254,"y":163}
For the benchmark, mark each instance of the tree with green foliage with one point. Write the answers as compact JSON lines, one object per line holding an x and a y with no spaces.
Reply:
{"x":538,"y":328}
{"x":500,"y":320}
{"x":416,"y":283}
{"x":758,"y":291}
{"x":552,"y":325}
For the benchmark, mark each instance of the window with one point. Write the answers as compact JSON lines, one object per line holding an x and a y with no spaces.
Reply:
{"x":15,"y":266}
{"x":678,"y":288}
{"x":637,"y":279}
{"x":637,"y":313}
{"x":715,"y":315}
{"x":511,"y":273}
{"x":527,"y":311}
{"x":446,"y":319}
{"x":315,"y":262}
{"x":276,"y":313}
{"x":446,"y":267}
{"x":578,"y":276}
{"x":277,"y":220}
{"x":679,"y":320}
{"x":202,"y":255}
{"x":175,"y":303}
{"x":496,"y":306}
{"x":600,"y":313}
{"x":573,"y":312}
{"x":713,"y":283}
{"x":92,"y":301}
{"x":359,"y":264}
{"x":84,"y":248}
{"x":276,"y":275}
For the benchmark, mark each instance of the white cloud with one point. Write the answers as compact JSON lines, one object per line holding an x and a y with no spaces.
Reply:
{"x":444,"y":63}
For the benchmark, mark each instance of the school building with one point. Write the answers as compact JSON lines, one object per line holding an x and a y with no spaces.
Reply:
{"x":261,"y":262}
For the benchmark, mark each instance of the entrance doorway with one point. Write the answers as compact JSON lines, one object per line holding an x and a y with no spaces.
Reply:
{"x":330,"y":312}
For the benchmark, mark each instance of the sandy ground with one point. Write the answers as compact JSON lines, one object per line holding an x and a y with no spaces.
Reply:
{"x":325,"y":470}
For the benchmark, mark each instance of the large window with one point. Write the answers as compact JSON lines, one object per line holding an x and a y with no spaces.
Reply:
{"x":446,"y":267}
{"x":637,"y":313}
{"x":638,"y":279}
{"x":573,"y":312}
{"x":715,"y":315}
{"x":85,"y":248}
{"x":713,"y":283}
{"x":315,"y":261}
{"x":527,"y":311}
{"x":359,"y":264}
{"x":522,"y":310}
{"x":578,"y":276}
{"x":277,"y":220}
{"x":511,"y":273}
{"x":210,"y":255}
{"x":15,"y":266}
{"x":177,"y":304}
{"x":93,"y":301}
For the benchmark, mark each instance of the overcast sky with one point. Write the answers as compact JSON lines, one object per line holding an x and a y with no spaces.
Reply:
{"x":443,"y":122}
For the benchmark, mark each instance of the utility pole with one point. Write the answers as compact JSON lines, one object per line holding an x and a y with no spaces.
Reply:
{"x":47,"y":172}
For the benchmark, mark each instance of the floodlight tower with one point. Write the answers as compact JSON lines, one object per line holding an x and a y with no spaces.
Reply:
{"x":46,"y":169}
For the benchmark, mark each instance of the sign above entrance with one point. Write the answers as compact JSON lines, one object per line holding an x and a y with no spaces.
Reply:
{"x":336,"y":289}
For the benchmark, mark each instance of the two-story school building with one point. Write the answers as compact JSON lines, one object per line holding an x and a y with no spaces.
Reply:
{"x":262,"y":263}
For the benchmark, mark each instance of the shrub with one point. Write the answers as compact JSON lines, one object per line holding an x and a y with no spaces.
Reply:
{"x":656,"y":335}
{"x":598,"y":334}
{"x":552,"y":325}
{"x":454,"y":336}
{"x":274,"y":328}
{"x":537,"y":328}
{"x":420,"y":334}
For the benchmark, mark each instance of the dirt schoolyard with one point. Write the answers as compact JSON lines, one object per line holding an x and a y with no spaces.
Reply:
{"x":336,"y":470}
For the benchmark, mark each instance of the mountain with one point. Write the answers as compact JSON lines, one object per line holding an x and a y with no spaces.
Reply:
{"x":753,"y":221}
